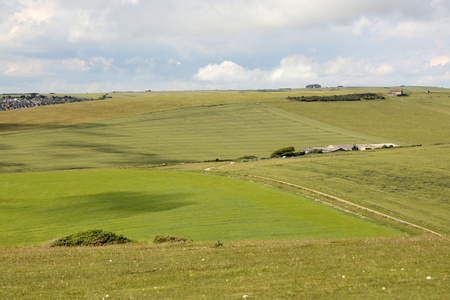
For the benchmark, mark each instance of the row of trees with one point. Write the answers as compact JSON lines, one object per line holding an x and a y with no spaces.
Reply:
{"x":348,"y":97}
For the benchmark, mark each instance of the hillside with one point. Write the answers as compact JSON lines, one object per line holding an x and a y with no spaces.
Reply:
{"x":182,"y":135}
{"x":158,"y":164}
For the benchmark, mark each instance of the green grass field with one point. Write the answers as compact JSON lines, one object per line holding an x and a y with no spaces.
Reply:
{"x":394,"y":268}
{"x":278,"y":243}
{"x":38,"y":207}
{"x":411,"y":183}
{"x":415,"y":119}
{"x":184,"y":135}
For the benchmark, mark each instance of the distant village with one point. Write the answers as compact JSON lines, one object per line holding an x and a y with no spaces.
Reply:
{"x":290,"y":151}
{"x":11,"y":102}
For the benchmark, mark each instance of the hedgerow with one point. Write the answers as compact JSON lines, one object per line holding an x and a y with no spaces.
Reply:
{"x":348,"y":97}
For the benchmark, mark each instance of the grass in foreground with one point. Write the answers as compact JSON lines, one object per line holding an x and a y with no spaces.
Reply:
{"x":400,"y":268}
{"x":39,"y":207}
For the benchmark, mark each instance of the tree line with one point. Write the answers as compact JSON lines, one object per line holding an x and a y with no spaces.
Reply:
{"x":349,"y":97}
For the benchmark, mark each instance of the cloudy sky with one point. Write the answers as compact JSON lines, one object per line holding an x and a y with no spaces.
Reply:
{"x":106,"y":45}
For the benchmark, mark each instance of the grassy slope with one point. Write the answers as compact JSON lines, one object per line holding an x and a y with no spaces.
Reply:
{"x":37,"y":207}
{"x":339,"y":269}
{"x":395,"y":268}
{"x":408,"y":182}
{"x":416,"y":119}
{"x":195,"y":134}
{"x":121,"y":105}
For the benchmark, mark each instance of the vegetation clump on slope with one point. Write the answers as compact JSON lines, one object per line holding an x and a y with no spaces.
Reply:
{"x":286,"y":151}
{"x":349,"y":97}
{"x":94,"y":237}
{"x":159,"y":239}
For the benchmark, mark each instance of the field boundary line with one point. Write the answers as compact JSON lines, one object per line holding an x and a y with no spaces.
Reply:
{"x":349,"y":203}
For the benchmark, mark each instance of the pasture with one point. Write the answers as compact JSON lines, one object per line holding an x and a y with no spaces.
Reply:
{"x":38,"y":207}
{"x":399,"y":268}
{"x":411,"y":183}
{"x":278,"y":242}
{"x":183,"y":135}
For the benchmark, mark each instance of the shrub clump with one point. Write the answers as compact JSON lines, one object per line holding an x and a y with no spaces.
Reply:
{"x":218,"y":244}
{"x":94,"y":237}
{"x":348,"y":97}
{"x":159,"y":239}
{"x":286,"y":151}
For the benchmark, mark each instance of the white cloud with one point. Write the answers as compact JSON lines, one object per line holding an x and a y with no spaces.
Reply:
{"x":254,"y":43}
{"x":41,"y":67}
{"x":227,"y":71}
{"x":291,"y":70}
{"x":27,"y":68}
{"x":75,"y":64}
{"x":97,"y":64}
{"x":440,"y":60}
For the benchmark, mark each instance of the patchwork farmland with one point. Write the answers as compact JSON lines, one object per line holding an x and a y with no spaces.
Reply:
{"x":135,"y":164}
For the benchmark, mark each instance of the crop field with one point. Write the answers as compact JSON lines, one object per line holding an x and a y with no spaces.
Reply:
{"x":37,"y":207}
{"x":414,"y":119}
{"x":185,"y":135}
{"x":147,"y":163}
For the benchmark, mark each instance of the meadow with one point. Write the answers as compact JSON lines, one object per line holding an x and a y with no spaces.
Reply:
{"x":381,"y":268}
{"x":38,"y":207}
{"x":411,"y":183}
{"x":159,"y":164}
{"x":184,"y":135}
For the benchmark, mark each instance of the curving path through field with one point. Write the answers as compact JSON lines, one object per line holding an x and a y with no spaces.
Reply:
{"x":341,"y":200}
{"x":347,"y":202}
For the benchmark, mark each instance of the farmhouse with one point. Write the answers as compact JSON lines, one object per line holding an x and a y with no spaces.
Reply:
{"x":362,"y":147}
{"x":396,"y":92}
{"x":348,"y":147}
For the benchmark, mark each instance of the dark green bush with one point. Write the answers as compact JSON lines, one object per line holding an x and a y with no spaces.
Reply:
{"x":217,"y":244}
{"x":159,"y":239}
{"x":94,"y":237}
{"x":286,"y":151}
{"x":247,"y":157}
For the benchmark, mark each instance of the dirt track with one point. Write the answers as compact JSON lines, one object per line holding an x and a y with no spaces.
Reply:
{"x":348,"y":202}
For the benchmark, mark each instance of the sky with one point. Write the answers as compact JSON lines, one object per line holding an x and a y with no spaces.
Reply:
{"x":136,"y":45}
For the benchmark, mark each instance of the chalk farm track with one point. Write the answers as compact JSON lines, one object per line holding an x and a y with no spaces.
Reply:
{"x":349,"y":203}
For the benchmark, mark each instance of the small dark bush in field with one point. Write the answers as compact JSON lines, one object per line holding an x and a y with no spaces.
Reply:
{"x":159,"y":239}
{"x":286,"y":151}
{"x":248,"y":157}
{"x":218,"y":244}
{"x":94,"y":237}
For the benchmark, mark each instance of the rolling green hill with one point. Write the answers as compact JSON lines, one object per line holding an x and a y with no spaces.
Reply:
{"x":38,"y":207}
{"x":184,"y":135}
{"x":277,"y":242}
{"x":411,"y":182}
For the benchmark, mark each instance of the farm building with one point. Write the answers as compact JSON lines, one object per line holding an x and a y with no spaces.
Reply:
{"x":396,"y":92}
{"x":374,"y":146}
{"x":348,"y":147}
